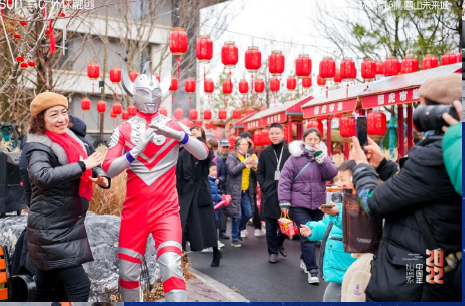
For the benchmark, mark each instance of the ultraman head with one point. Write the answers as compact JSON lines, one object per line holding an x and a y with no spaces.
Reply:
{"x":145,"y":91}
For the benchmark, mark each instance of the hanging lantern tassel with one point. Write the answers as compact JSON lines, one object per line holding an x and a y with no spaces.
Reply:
{"x":251,"y":91}
{"x":347,"y":91}
{"x":116,"y":95}
{"x":52,"y":38}
{"x":92,"y":87}
{"x":243,"y":101}
{"x":226,"y":103}
{"x":179,"y":66}
{"x":327,"y":92}
{"x":190,"y":101}
{"x":172,"y":99}
{"x":208,"y":100}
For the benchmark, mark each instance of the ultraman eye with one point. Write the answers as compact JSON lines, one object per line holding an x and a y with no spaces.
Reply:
{"x":142,"y":92}
{"x":156,"y":92}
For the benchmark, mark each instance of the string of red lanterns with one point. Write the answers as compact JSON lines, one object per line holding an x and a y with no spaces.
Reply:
{"x":178,"y":43}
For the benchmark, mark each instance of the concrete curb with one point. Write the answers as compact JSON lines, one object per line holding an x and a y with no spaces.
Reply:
{"x":223,"y":290}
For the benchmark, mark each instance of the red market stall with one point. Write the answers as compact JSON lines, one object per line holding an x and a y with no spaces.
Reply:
{"x":400,"y":90}
{"x":334,"y":103}
{"x":239,"y":124}
{"x":285,"y":114}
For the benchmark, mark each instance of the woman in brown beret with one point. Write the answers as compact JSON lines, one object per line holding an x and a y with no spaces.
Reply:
{"x":61,"y":175}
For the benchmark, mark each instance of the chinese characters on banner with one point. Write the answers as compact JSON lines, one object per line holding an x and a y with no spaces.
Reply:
{"x":391,"y":98}
{"x":279,"y":118}
{"x":330,"y":108}
{"x":256,"y":124}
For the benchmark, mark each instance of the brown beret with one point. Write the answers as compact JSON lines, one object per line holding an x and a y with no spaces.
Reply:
{"x":444,"y":89}
{"x":45,"y":101}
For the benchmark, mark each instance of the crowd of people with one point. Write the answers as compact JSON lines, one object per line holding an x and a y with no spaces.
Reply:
{"x":419,"y":203}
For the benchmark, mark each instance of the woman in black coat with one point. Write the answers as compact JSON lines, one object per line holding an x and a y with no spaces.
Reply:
{"x":60,"y":173}
{"x":196,"y":205}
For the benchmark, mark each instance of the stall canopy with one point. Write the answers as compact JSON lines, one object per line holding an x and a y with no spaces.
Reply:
{"x":239,"y":124}
{"x":278,"y":114}
{"x":342,"y":100}
{"x":402,"y":89}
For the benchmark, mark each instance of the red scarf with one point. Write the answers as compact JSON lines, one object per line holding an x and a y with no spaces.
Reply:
{"x":74,"y":151}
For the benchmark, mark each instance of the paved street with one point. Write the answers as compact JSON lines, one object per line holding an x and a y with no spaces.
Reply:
{"x":247,"y":269}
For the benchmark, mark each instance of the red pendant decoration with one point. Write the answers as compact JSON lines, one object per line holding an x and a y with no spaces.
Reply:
{"x":409,"y":64}
{"x":307,"y":82}
{"x":227,"y":89}
{"x":303,"y":66}
{"x":101,"y":106}
{"x":448,"y":59}
{"x":204,"y":49}
{"x":368,"y":69}
{"x":337,"y":76}
{"x":125,"y":115}
{"x":259,"y":85}
{"x":85,"y":104}
{"x":236,"y":114}
{"x":243,"y":89}
{"x":207,"y":114}
{"x":117,"y":108}
{"x":133,"y":75}
{"x":193,"y":114}
{"x":178,"y":114}
{"x":189,"y":86}
{"x":93,"y":72}
{"x":275,"y":85}
{"x":222,"y":114}
{"x":320,"y":81}
{"x":257,"y":138}
{"x":347,"y":126}
{"x":379,"y":68}
{"x":178,"y":45}
{"x":132,"y":110}
{"x":253,"y":59}
{"x":276,"y":63}
{"x":163,"y":111}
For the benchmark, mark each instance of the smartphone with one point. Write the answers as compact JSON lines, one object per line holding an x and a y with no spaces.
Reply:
{"x":328,"y":205}
{"x":361,"y":130}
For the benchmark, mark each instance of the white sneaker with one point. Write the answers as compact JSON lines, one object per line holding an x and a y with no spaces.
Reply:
{"x":263,"y":230}
{"x":220,"y":245}
{"x":304,"y":267}
{"x":244,"y":233}
{"x":258,"y":233}
{"x":313,"y":278}
{"x":207,"y":250}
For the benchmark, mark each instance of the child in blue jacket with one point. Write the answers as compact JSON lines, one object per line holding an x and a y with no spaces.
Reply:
{"x":216,"y":198}
{"x":329,"y":230}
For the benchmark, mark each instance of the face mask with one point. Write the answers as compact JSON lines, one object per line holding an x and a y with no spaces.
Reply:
{"x":310,"y":149}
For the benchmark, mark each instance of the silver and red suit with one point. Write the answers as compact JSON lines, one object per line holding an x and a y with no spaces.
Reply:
{"x":147,"y":146}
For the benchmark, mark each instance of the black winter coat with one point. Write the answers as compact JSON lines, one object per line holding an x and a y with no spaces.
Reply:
{"x":222,"y":169}
{"x":196,"y":205}
{"x":267,"y":165}
{"x":56,"y":233}
{"x":422,"y":186}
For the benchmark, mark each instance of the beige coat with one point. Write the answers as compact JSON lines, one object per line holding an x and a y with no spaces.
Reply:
{"x":356,"y":279}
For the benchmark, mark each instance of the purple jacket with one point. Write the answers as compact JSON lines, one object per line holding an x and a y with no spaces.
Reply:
{"x":308,"y":190}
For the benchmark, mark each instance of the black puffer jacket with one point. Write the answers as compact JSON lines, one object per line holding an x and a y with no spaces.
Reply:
{"x":56,"y":233}
{"x":421,"y":188}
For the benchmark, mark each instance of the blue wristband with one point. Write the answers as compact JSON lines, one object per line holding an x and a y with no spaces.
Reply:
{"x":129,"y":157}
{"x":186,"y":138}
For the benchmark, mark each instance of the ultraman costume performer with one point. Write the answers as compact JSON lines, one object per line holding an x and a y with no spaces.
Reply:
{"x":147,"y":146}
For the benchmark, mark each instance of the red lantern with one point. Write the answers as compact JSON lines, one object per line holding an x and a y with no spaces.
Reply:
{"x":208,"y":125}
{"x":259,"y":85}
{"x":232,"y":142}
{"x":348,"y":70}
{"x":313,"y":124}
{"x":429,"y":61}
{"x":409,"y":64}
{"x":113,"y":115}
{"x":303,"y":66}
{"x":198,"y":123}
{"x":337,"y":76}
{"x":189,"y":85}
{"x":249,"y":111}
{"x":265,"y":139}
{"x":368,"y":69}
{"x":133,"y":75}
{"x":376,"y":124}
{"x":193,"y":114}
{"x":125,"y":115}
{"x":117,"y":108}
{"x":227,"y":87}
{"x":85,"y":104}
{"x":307,"y":82}
{"x":163,"y":111}
{"x":93,"y":71}
{"x":178,"y":113}
{"x":379,"y":68}
{"x":17,"y":36}
{"x":274,"y":85}
{"x":253,"y":59}
{"x":23,"y":23}
{"x":174,"y":84}
{"x":237,"y":114}
{"x":208,"y":86}
{"x":229,"y":54}
{"x":276,"y":63}
{"x":19,"y":59}
{"x":291,"y":83}
{"x":132,"y":110}
{"x":257,"y":138}
{"x":391,"y":66}
{"x":207,"y":114}
{"x":101,"y":106}
{"x":327,"y":68}
{"x":448,"y":58}
{"x":115,"y":75}
{"x":204,"y":49}
{"x":243,"y":86}
{"x":320,"y":81}
{"x":48,"y":31}
{"x":347,"y":126}
{"x":23,"y":65}
{"x":178,"y":41}
{"x":222,"y":114}
{"x":31,"y":63}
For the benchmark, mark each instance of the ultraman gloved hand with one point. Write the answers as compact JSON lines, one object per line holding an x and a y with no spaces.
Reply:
{"x":168,"y":132}
{"x":142,"y":143}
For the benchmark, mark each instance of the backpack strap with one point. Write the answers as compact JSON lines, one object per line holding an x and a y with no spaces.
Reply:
{"x":301,"y":170}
